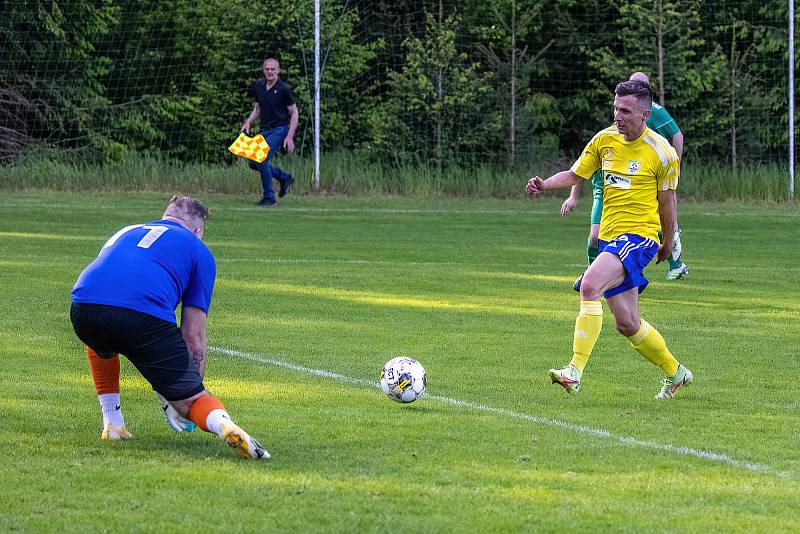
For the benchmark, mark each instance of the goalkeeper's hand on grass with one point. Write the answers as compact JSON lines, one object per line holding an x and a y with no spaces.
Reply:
{"x":174,"y":419}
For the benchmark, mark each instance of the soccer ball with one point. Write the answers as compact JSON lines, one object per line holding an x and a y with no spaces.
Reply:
{"x":403,"y":379}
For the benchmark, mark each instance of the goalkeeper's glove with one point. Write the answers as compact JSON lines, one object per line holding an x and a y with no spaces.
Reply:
{"x":174,"y":419}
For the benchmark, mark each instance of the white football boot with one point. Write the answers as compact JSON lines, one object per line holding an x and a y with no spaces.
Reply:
{"x":114,"y":433}
{"x":671,"y":384}
{"x":568,"y":378}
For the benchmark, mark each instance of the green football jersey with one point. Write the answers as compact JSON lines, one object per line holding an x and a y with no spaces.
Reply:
{"x":662,"y":122}
{"x":597,"y":184}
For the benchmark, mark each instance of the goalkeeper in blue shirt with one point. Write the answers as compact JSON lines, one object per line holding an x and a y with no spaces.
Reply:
{"x":124,"y":303}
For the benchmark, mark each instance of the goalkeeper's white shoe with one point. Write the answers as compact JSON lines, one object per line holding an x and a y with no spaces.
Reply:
{"x":114,"y":433}
{"x":671,"y":384}
{"x":568,"y":378}
{"x":241,"y":442}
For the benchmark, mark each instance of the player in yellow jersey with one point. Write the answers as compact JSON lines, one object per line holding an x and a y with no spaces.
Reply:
{"x":640,"y":171}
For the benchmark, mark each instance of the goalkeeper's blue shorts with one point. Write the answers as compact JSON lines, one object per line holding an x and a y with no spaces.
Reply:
{"x":635,"y":252}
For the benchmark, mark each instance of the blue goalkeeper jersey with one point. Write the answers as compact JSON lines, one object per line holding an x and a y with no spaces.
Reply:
{"x":150,"y":268}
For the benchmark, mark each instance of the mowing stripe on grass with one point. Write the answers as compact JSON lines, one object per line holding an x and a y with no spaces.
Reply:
{"x":47,"y":260}
{"x":298,"y":209}
{"x":410,"y":211}
{"x":596,"y":432}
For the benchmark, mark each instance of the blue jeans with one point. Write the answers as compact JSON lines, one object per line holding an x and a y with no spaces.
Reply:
{"x":274,"y":138}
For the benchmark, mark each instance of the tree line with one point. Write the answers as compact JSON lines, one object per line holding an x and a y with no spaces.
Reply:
{"x":431,"y":82}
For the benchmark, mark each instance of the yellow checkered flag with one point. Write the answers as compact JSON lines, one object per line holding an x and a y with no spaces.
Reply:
{"x":254,"y":148}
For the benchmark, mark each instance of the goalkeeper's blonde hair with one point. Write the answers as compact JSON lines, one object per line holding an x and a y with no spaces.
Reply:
{"x":188,"y":209}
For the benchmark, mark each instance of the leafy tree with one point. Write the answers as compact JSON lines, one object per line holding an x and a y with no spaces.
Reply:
{"x":345,"y":80}
{"x":504,"y":30}
{"x":430,"y":108}
{"x":571,"y":96}
{"x":51,"y":75}
{"x":755,"y":79}
{"x":147,"y":83}
{"x":409,"y":80}
{"x":664,"y":38}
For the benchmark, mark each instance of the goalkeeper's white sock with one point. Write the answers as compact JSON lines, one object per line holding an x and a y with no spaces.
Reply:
{"x":215,"y":419}
{"x":111,"y":408}
{"x":208,"y":413}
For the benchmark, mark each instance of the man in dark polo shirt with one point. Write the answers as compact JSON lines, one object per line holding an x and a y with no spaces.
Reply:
{"x":277,"y":112}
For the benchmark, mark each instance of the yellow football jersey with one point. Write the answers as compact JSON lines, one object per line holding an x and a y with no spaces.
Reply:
{"x":633,"y":173}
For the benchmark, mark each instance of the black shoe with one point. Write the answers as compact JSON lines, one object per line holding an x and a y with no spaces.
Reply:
{"x":286,"y":186}
{"x":266,"y":202}
{"x":576,"y":285}
{"x":252,"y":164}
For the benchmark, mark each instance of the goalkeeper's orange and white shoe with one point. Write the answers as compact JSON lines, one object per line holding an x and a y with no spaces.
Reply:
{"x":114,"y":433}
{"x":240,"y":441}
{"x":568,"y":378}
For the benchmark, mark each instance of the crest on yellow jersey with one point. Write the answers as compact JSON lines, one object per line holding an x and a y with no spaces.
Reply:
{"x":607,"y":155}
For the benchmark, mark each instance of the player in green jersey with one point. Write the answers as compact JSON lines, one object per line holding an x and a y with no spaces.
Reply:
{"x":661,"y":122}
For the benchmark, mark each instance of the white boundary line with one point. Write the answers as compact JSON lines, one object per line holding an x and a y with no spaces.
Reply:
{"x":545,"y":421}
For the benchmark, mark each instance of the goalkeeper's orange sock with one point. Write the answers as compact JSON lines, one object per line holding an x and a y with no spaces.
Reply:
{"x":208,"y":413}
{"x":105,"y":374}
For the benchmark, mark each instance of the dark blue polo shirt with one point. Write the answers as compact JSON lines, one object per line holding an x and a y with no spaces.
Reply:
{"x":273,"y":103}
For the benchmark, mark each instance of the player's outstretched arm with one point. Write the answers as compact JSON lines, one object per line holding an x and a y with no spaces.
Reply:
{"x":559,"y":180}
{"x":677,"y":143}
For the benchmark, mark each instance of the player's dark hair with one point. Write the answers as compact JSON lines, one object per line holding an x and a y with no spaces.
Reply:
{"x":641,"y":90}
{"x":181,"y":206}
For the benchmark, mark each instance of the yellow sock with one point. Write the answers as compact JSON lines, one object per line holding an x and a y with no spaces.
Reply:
{"x":650,"y":344}
{"x":587,"y":330}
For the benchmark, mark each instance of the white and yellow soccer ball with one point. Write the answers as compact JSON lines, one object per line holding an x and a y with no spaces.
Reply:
{"x":403,"y":379}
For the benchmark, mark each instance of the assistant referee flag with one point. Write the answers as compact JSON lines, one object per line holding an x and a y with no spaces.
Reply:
{"x":254,"y":148}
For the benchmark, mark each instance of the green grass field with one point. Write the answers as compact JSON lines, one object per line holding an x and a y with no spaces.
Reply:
{"x":479,"y":292}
